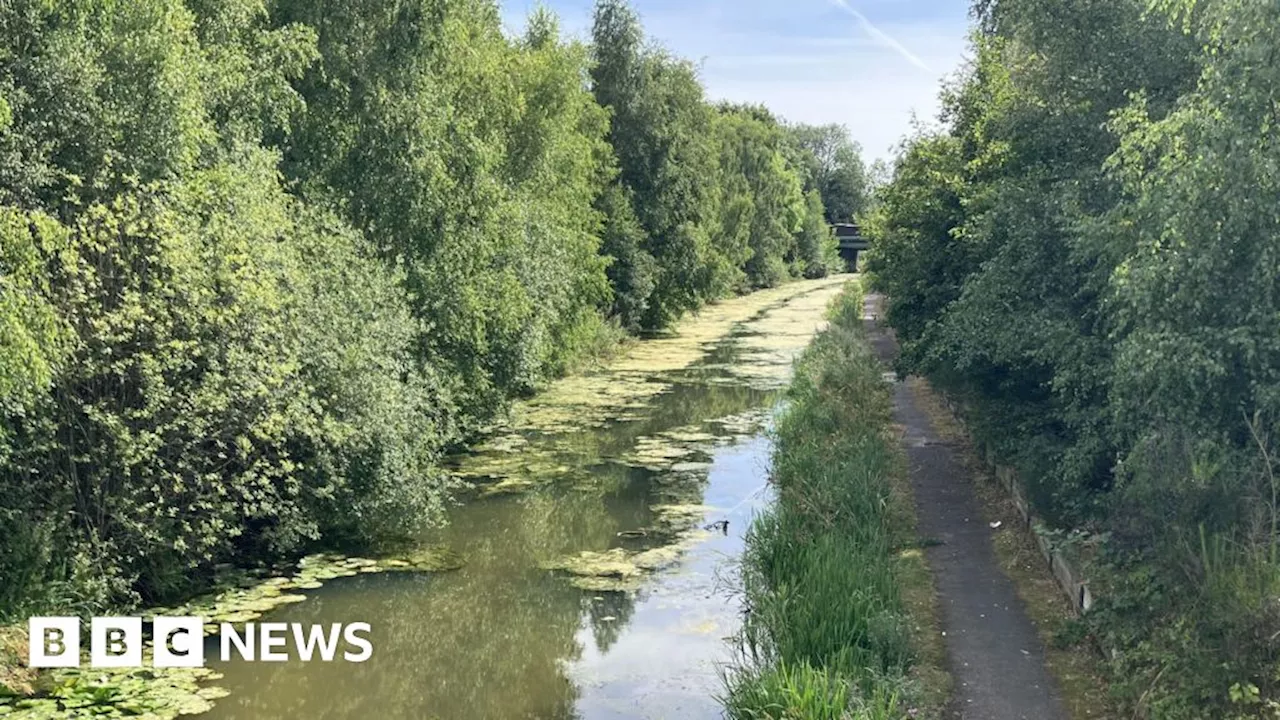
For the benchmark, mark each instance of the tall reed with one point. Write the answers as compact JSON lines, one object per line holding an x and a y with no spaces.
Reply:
{"x":826,"y":633}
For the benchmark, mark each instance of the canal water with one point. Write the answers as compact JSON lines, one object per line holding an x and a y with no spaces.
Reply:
{"x":598,"y":547}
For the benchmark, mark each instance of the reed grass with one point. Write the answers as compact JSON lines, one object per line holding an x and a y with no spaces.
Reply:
{"x":826,"y":633}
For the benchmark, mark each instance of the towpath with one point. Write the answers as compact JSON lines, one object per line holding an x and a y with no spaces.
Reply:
{"x":993,"y":652}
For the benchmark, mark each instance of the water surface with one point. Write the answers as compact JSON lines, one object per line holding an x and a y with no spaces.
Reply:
{"x":641,"y":455}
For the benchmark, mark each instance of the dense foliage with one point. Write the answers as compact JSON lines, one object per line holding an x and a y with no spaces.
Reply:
{"x":262,"y":262}
{"x":676,"y":239}
{"x":1087,"y":255}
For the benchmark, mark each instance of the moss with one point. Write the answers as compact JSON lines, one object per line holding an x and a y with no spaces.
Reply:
{"x":15,"y":678}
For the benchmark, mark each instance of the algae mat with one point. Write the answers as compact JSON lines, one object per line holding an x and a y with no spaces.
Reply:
{"x":768,"y":328}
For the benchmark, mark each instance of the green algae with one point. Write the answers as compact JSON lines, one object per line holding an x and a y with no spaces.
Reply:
{"x":620,"y":569}
{"x":508,"y":486}
{"x":680,"y":516}
{"x":744,"y":424}
{"x":166,"y":693}
{"x":525,"y":452}
{"x":695,"y":467}
{"x":614,"y":563}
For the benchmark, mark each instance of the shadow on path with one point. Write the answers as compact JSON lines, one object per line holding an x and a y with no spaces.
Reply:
{"x":993,"y":651}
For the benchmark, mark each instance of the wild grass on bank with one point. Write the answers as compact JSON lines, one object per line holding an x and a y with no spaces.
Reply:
{"x":827,"y":632}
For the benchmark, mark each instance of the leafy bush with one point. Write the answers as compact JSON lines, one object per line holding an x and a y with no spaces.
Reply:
{"x":263,"y":263}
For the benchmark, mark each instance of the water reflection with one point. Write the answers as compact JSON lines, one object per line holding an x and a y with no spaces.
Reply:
{"x":503,"y":639}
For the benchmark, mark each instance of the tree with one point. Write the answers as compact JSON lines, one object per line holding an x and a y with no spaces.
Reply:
{"x":832,"y":164}
{"x":214,"y":371}
{"x":661,"y":130}
{"x":1087,"y":255}
{"x":761,"y":199}
{"x":473,"y":162}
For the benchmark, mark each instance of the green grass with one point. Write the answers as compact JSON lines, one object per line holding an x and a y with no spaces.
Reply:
{"x":828,"y":633}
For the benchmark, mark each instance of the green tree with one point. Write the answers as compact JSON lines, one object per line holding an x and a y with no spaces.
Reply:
{"x":817,"y":252}
{"x":916,"y":258}
{"x":1087,"y":255}
{"x":762,"y":203}
{"x":832,"y":164}
{"x":1018,"y":325}
{"x":213,"y":370}
{"x":473,"y":162}
{"x":262,"y":262}
{"x":661,"y":130}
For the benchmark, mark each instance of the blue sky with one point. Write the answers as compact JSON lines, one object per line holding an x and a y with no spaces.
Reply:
{"x":868,"y":64}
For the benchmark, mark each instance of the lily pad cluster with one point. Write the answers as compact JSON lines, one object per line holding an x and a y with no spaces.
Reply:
{"x":146,"y":693}
{"x":248,"y":603}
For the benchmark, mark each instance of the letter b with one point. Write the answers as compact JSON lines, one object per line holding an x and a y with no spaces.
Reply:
{"x":54,"y":642}
{"x":115,"y":642}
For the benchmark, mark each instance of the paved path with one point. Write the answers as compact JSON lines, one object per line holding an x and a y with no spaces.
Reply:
{"x":993,"y":651}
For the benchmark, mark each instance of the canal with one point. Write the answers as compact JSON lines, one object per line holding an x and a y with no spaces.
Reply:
{"x":597,"y":543}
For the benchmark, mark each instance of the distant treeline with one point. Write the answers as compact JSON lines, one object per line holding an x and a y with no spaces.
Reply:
{"x":262,"y":262}
{"x":1088,"y":253}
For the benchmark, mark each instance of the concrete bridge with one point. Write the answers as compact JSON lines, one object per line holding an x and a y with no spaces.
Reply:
{"x":851,"y":242}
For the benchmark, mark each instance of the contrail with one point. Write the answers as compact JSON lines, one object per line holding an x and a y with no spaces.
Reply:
{"x":882,"y":36}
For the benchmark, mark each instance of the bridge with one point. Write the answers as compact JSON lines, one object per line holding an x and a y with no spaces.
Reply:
{"x":851,"y":242}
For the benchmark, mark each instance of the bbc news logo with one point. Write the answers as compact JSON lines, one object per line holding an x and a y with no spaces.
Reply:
{"x":179,"y":642}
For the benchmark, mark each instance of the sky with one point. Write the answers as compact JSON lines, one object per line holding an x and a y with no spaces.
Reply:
{"x":871,"y":65}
